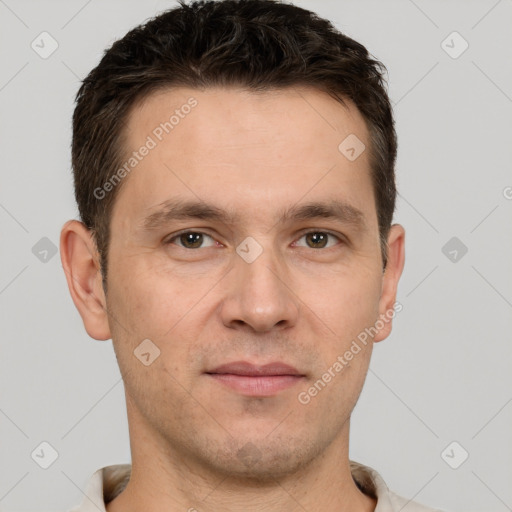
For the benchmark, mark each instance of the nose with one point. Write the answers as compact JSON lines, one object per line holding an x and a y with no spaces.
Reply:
{"x":259,"y":295}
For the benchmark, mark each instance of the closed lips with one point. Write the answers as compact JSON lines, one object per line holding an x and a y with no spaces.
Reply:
{"x":244,"y":368}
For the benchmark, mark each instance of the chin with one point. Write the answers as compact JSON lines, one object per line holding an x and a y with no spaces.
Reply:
{"x":263,"y":459}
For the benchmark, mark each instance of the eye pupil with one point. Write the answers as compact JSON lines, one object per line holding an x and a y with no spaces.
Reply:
{"x":192,"y":238}
{"x":318,"y":237}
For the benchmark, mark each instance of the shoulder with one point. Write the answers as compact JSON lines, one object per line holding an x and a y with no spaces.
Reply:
{"x":103,"y":486}
{"x":371,"y":483}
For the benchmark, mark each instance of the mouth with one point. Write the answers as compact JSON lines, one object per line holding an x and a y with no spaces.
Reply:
{"x":255,"y":380}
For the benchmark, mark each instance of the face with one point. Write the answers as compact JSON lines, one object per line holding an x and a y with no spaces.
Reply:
{"x":277,"y":261}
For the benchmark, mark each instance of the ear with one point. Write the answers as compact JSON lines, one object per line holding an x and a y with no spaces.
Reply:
{"x":80,"y":261}
{"x":394,"y":267}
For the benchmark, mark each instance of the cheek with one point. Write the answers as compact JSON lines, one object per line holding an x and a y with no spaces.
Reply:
{"x":349,"y":303}
{"x":146,"y":303}
{"x":150,"y":298}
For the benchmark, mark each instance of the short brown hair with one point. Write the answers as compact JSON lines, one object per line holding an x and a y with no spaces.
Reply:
{"x":254,"y":44}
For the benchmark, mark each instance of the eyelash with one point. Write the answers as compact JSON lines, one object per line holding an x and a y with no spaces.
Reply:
{"x":177,"y":235}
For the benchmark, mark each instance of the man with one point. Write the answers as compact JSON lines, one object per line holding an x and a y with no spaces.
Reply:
{"x":234,"y":172}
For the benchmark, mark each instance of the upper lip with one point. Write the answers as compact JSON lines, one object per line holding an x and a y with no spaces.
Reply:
{"x":249,"y":369}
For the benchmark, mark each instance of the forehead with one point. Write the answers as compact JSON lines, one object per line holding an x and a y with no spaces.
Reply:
{"x":261,"y":149}
{"x":234,"y":113}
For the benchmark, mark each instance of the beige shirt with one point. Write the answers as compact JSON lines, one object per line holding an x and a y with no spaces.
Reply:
{"x":110,"y":481}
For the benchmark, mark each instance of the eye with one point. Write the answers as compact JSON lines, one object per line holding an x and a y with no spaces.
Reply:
{"x":319,"y":239}
{"x":194,"y":239}
{"x":190,"y":239}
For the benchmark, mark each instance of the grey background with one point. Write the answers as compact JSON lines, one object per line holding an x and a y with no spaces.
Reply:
{"x":444,"y":373}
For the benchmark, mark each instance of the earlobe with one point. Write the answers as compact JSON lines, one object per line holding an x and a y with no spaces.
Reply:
{"x":392,"y":273}
{"x":79,"y":259}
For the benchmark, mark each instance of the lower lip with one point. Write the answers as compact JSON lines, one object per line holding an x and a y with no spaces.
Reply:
{"x":257,"y":386}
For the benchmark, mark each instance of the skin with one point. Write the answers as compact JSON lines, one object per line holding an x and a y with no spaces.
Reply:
{"x":296,"y":303}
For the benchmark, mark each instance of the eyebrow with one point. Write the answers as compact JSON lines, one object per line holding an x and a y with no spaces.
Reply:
{"x":177,"y":209}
